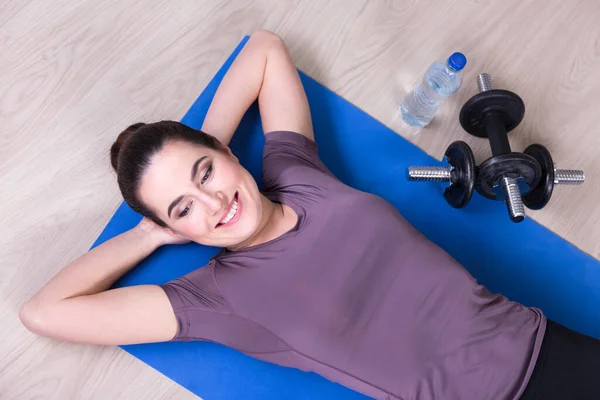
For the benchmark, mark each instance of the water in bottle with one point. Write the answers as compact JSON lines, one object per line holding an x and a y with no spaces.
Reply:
{"x":442,"y":79}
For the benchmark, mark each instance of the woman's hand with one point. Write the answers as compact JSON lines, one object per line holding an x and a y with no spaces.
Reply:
{"x":160,"y":235}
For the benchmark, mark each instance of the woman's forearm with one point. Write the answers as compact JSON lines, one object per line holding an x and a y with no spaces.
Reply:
{"x":99,"y":268}
{"x":240,"y":87}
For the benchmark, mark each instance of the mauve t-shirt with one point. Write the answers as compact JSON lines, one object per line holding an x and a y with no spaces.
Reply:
{"x":355,"y":294}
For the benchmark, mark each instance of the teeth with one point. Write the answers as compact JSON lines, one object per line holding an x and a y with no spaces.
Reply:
{"x":231,"y":212}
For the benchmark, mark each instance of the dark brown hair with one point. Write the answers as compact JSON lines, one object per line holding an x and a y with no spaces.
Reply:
{"x":132,"y":153}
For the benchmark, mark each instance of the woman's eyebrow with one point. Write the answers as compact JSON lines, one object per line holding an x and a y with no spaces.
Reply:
{"x":173,"y":204}
{"x":194,"y":172}
{"x":195,"y":167}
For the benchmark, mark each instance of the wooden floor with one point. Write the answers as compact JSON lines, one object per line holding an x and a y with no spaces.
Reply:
{"x":74,"y":73}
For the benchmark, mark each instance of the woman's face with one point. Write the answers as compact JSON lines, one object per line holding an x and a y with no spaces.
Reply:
{"x":202,"y":194}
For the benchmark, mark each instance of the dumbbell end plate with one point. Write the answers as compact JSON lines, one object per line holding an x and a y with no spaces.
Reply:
{"x":508,"y":104}
{"x":540,"y":195}
{"x":460,"y":156}
{"x":513,"y":165}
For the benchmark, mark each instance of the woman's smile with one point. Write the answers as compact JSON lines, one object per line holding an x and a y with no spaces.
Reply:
{"x":232,"y":212}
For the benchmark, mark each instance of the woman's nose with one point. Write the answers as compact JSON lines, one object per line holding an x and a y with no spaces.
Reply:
{"x":213,"y":201}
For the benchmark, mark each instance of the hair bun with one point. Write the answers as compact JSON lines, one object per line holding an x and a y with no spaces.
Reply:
{"x":115,"y":149}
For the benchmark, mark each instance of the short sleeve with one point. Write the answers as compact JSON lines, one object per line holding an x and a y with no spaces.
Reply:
{"x":290,"y":158}
{"x":193,"y":294}
{"x":204,"y":314}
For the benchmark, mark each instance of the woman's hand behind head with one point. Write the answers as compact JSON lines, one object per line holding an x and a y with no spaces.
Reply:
{"x":161,"y":235}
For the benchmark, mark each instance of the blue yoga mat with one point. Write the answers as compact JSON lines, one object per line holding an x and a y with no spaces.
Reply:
{"x":525,"y":262}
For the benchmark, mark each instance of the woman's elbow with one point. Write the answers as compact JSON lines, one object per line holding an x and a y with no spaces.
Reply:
{"x":266,"y":37}
{"x":32,"y":317}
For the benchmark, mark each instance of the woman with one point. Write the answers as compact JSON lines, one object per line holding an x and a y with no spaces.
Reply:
{"x":314,"y":274}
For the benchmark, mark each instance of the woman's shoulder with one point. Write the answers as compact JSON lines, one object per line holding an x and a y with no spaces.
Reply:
{"x":290,"y":145}
{"x":293,"y":159}
{"x":196,"y":288}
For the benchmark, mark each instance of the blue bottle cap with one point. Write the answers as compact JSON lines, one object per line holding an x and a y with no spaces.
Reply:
{"x":457,"y":61}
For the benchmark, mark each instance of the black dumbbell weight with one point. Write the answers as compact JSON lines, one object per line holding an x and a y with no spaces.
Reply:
{"x":540,"y":195}
{"x":492,"y":114}
{"x":460,"y":174}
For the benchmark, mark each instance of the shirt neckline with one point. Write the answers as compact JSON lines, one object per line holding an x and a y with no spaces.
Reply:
{"x":275,"y":197}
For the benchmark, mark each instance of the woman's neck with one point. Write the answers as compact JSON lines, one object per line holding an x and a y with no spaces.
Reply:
{"x":277,"y":219}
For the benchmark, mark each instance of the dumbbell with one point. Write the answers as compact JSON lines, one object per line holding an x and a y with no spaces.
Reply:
{"x":540,"y":195}
{"x":492,"y":114}
{"x":460,"y":174}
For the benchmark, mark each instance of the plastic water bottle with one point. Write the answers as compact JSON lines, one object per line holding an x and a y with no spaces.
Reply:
{"x":442,"y":79}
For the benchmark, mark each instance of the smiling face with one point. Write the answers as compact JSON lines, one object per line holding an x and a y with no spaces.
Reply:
{"x":202,"y":194}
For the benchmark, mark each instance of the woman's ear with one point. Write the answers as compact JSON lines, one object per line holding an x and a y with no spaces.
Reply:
{"x":176,"y":238}
{"x":170,"y":231}
{"x":175,"y":234}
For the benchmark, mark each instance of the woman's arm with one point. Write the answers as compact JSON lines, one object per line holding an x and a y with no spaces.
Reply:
{"x":76,"y":305}
{"x":263,"y":70}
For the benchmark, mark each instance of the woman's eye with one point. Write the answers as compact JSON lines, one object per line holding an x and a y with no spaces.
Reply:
{"x":207,"y":174}
{"x":185,"y":211}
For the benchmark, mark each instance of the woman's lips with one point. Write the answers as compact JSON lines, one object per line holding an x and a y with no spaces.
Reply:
{"x":232,"y":213}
